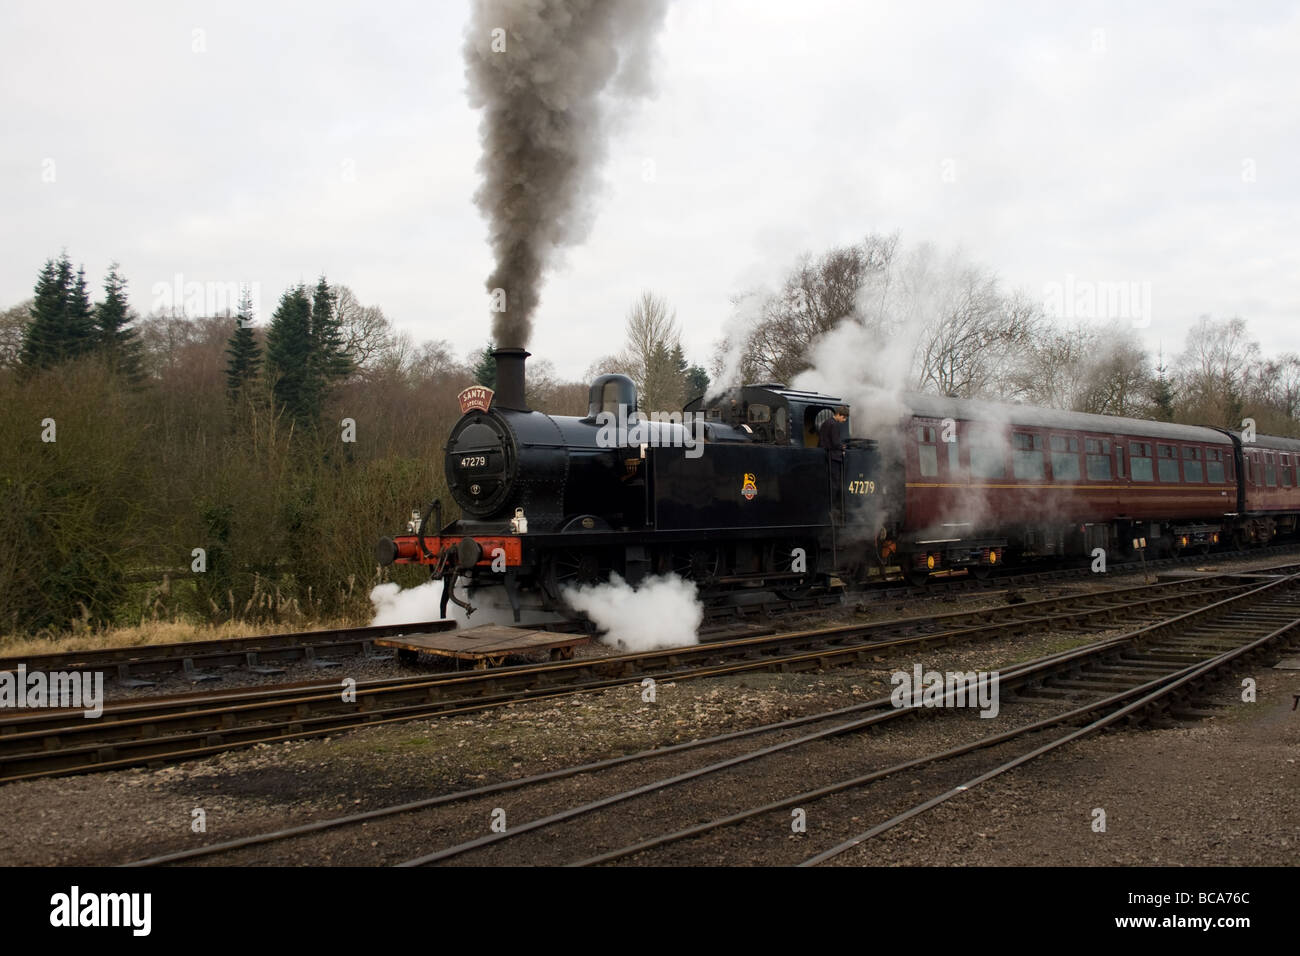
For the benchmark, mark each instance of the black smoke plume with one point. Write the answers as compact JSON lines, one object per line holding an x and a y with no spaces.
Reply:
{"x":546,"y":100}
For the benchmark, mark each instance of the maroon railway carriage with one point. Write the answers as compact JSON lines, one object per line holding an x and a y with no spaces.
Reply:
{"x":986,"y":482}
{"x":1270,"y":489}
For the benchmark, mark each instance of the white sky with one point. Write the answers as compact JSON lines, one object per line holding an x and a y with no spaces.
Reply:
{"x":1112,"y":142}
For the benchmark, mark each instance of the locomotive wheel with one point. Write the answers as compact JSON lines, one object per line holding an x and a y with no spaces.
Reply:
{"x":566,"y":569}
{"x":698,"y":564}
{"x":783,"y":561}
{"x":981,"y":572}
{"x":917,"y":577}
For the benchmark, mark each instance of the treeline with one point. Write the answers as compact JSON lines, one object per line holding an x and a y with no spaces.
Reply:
{"x":212,"y":468}
{"x":914,"y":319}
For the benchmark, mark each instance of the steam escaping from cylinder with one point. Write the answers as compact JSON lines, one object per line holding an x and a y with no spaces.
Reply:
{"x":547,"y":75}
{"x":659,"y":612}
{"x":394,"y":604}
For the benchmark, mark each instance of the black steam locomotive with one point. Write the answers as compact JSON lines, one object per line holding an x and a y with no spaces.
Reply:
{"x":733,"y":492}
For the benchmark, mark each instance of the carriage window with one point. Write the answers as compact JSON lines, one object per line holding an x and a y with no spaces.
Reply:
{"x":1270,"y":471}
{"x":1065,"y":458}
{"x":1140,"y":461}
{"x":954,"y":459}
{"x":1214,"y":465}
{"x":1168,"y":463}
{"x":1191,"y":464}
{"x":929,"y":456}
{"x":1098,"y":459}
{"x":1286,"y":471}
{"x":987,"y":455}
{"x":1027,"y":457}
{"x":926,"y":451}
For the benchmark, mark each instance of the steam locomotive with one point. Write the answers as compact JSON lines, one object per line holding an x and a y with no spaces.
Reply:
{"x":735,"y":493}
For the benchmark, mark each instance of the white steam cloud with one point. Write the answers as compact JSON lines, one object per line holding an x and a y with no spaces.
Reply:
{"x":397,"y":605}
{"x":662,"y":612}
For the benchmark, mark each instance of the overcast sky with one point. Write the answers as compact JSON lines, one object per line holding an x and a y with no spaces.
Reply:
{"x":1111,"y":142}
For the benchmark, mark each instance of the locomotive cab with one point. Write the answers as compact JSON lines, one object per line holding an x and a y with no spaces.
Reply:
{"x":769,"y":413}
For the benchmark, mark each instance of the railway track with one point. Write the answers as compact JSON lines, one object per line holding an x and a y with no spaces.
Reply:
{"x":1156,"y":667}
{"x":148,"y":730}
{"x":267,"y":654}
{"x":959,"y":582}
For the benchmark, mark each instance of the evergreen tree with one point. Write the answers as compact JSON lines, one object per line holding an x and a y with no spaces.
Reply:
{"x":50,"y":338}
{"x":697,"y":382}
{"x":42,"y":329}
{"x":245,"y":354}
{"x":329,"y":349}
{"x":80,"y":327}
{"x":1162,"y":392}
{"x":485,"y":369}
{"x":113,"y":333}
{"x":289,"y":356}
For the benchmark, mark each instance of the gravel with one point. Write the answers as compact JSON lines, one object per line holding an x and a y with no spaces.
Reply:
{"x":1216,"y":791}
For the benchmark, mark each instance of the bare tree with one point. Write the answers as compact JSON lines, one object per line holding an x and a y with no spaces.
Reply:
{"x":12,"y":323}
{"x":366,"y":331}
{"x":653,"y":336}
{"x":772,"y":333}
{"x":1215,"y":369}
{"x":977,"y":338}
{"x":1277,"y":383}
{"x":1117,"y":378}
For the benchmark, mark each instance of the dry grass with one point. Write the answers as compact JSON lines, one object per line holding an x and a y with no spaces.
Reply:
{"x":152,"y":632}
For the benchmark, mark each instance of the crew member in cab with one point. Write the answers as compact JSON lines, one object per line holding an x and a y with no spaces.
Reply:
{"x":833,"y":437}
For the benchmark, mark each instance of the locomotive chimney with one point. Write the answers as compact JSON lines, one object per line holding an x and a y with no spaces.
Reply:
{"x":510,"y":378}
